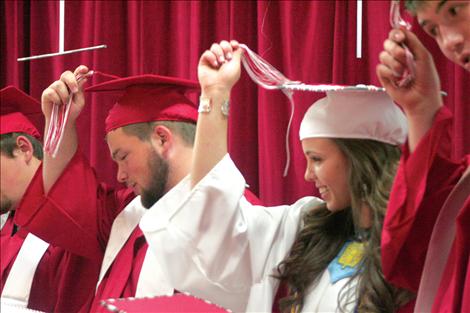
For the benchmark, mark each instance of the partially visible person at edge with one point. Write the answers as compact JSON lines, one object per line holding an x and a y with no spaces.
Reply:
{"x":34,"y":274}
{"x":327,"y":253}
{"x":149,"y":132}
{"x":427,"y":173}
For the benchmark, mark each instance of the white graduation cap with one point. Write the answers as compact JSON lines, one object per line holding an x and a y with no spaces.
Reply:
{"x":355,"y":114}
{"x":361,"y":111}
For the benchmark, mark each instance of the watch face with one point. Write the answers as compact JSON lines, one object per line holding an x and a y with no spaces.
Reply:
{"x":225,"y":107}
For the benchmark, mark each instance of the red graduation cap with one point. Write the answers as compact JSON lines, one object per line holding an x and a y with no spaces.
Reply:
{"x":149,"y":98}
{"x":176,"y":303}
{"x":20,"y":113}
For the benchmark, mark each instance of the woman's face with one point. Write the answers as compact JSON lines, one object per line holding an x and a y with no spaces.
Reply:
{"x":328,"y":168}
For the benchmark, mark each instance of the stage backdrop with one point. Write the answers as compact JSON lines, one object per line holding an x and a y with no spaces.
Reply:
{"x":311,"y":41}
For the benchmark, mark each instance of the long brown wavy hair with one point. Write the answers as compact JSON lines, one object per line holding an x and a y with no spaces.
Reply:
{"x":372,"y":167}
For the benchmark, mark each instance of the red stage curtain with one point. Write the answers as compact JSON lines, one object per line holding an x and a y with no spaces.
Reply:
{"x":311,"y":41}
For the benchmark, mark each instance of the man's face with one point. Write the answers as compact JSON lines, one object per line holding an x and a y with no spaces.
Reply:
{"x":140,"y":167}
{"x":12,"y":182}
{"x":448,"y":22}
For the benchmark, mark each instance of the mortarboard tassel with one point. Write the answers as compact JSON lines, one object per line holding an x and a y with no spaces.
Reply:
{"x":59,"y":117}
{"x":268,"y":77}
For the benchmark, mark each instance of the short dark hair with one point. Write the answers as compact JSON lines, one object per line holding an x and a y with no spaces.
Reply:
{"x":8,"y":144}
{"x":186,"y":130}
{"x":413,"y":6}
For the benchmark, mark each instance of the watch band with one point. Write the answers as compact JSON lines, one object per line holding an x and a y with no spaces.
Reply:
{"x":206,"y":107}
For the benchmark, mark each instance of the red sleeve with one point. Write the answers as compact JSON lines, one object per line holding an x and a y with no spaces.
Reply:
{"x":251,"y":197}
{"x":76,"y":214}
{"x":424,"y":180}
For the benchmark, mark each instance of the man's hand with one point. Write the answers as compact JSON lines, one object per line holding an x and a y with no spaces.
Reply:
{"x":421,"y":99}
{"x":422,"y":95}
{"x":60,"y":90}
{"x":58,"y":93}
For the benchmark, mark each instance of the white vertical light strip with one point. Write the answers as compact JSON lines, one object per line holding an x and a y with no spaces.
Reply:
{"x":61,"y":24}
{"x":359,"y":30}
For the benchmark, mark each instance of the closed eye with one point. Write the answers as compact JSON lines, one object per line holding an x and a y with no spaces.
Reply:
{"x":313,"y":156}
{"x":315,"y":159}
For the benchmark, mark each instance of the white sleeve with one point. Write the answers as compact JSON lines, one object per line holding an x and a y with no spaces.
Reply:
{"x":212,"y":238}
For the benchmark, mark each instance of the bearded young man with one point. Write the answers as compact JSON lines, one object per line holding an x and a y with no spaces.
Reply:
{"x":150,"y":133}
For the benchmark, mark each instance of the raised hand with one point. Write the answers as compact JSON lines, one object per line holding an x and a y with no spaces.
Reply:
{"x":219,"y":67}
{"x":423,"y":94}
{"x":60,"y":90}
{"x":218,"y":71}
{"x":58,"y":93}
{"x":420,"y":99}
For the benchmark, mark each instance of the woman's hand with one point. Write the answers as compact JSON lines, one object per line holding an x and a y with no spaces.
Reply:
{"x":219,"y":67}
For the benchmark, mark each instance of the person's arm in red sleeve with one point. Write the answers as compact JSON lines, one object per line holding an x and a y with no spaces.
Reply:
{"x":426,"y":174}
{"x":76,"y":214}
{"x":66,"y":205}
{"x":423,"y":182}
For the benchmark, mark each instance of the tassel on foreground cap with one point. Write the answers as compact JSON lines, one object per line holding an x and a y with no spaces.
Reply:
{"x":361,"y":111}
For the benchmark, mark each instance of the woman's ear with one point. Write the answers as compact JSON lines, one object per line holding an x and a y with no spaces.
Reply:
{"x":24,"y":147}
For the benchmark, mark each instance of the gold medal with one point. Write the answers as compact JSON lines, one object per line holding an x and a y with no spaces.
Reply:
{"x":352,"y":255}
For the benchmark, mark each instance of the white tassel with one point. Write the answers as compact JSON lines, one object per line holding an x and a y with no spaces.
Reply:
{"x":268,"y":77}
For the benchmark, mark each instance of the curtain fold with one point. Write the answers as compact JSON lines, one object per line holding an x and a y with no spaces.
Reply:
{"x":311,"y":41}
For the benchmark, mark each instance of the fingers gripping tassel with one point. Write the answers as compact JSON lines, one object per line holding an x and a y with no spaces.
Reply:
{"x":396,"y":21}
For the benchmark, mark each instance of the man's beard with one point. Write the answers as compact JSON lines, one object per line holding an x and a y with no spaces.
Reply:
{"x":158,"y":168}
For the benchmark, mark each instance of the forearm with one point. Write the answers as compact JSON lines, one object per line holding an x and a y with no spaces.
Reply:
{"x":211,"y":135}
{"x":64,"y":217}
{"x":218,"y":71}
{"x":420,"y":124}
{"x":53,"y":167}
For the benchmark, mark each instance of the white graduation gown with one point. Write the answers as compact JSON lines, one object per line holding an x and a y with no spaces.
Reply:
{"x":215,"y":245}
{"x":18,"y":284}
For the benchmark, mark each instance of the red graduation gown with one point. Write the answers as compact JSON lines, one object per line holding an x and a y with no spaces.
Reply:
{"x":122,"y":277}
{"x":63,"y":282}
{"x":423,"y":182}
{"x":83,"y":216}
